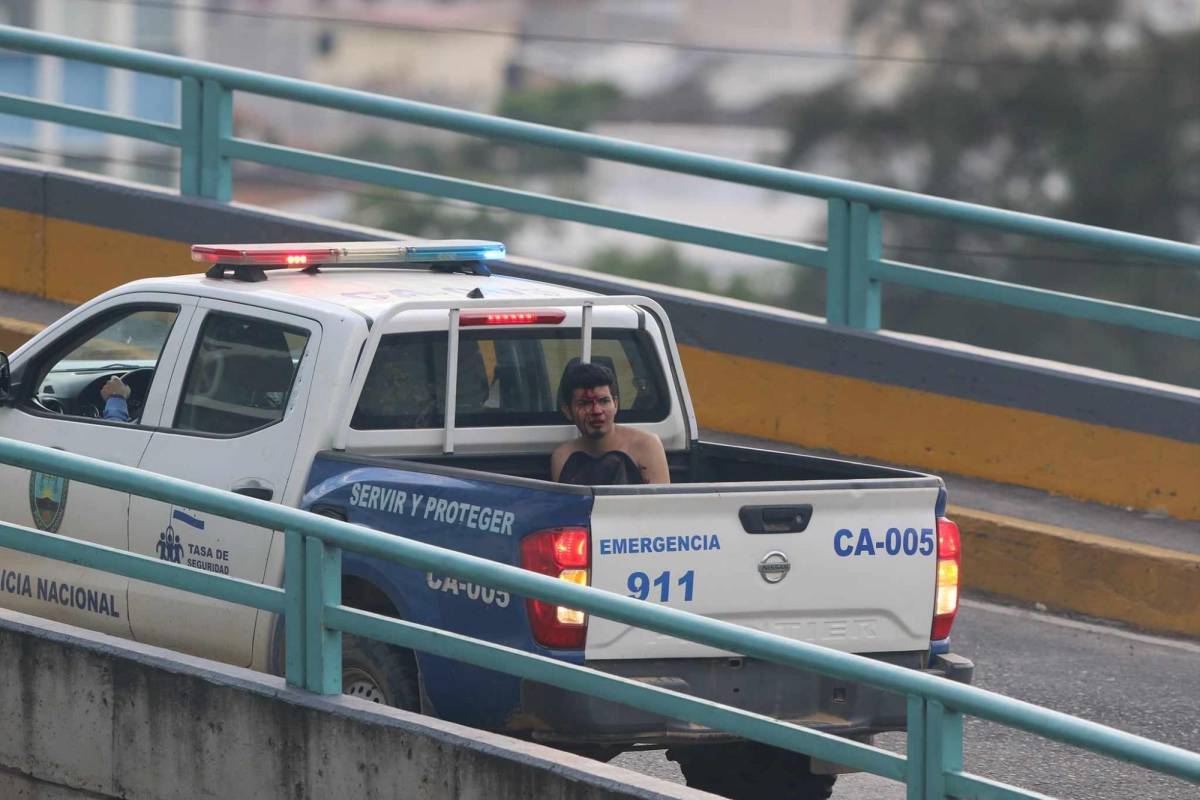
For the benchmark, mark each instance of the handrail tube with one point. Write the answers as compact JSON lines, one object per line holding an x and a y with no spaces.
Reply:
{"x":978,"y":702}
{"x":604,"y":147}
{"x":102,"y":121}
{"x":140,"y":567}
{"x":515,"y":200}
{"x":617,"y":689}
{"x":1072,"y":305}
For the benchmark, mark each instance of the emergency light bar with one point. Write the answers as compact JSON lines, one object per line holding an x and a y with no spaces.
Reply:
{"x":310,"y":254}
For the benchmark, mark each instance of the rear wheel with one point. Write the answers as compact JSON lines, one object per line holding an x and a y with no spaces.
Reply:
{"x":749,"y":771}
{"x":380,"y":673}
{"x":372,"y":670}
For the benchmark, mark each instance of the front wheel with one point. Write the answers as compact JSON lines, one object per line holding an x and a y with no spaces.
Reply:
{"x":380,"y":673}
{"x":749,"y":771}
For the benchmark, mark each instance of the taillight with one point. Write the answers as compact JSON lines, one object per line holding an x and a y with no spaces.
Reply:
{"x":532,"y":316}
{"x":561,"y":553}
{"x":945,"y":604}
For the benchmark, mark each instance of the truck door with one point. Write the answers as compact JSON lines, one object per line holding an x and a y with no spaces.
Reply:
{"x":59,"y":405}
{"x":232,"y":420}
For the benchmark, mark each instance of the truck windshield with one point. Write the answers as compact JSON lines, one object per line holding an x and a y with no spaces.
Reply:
{"x":505,"y":377}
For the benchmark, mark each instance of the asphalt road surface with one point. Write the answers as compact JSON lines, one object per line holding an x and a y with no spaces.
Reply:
{"x":1140,"y":684}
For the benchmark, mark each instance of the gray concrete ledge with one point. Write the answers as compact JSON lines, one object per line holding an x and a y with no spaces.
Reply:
{"x":92,"y":716}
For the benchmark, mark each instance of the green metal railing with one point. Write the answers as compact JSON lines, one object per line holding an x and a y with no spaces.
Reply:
{"x":856,"y":270}
{"x":310,"y":600}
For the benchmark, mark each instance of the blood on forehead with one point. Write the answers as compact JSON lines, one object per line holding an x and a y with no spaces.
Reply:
{"x":593,"y":394}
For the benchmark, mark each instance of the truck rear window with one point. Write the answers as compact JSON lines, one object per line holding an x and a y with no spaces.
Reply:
{"x":505,"y":377}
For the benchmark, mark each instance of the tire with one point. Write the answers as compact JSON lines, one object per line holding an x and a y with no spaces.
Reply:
{"x":380,"y":673}
{"x":596,"y":752}
{"x":750,"y":771}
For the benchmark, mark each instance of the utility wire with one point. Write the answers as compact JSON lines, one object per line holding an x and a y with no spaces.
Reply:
{"x":699,"y":47}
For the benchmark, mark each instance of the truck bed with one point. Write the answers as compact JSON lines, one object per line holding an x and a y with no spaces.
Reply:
{"x":704,"y":463}
{"x":828,"y":551}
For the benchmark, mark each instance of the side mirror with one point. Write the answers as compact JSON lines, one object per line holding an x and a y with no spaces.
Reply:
{"x":5,"y":379}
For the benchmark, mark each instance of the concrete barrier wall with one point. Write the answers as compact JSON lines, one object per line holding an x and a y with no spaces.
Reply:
{"x":89,"y":716}
{"x":941,"y":408}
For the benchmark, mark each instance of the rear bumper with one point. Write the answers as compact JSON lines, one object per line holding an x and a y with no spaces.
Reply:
{"x":830,"y":704}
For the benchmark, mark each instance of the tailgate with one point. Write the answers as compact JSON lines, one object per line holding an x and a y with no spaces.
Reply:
{"x":858,"y":576}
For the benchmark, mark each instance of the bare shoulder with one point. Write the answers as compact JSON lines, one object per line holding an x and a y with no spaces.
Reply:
{"x":651,"y":457}
{"x":566,"y":448}
{"x":560,"y":456}
{"x":644,"y":441}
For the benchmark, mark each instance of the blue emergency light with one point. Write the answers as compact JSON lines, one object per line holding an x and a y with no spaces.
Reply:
{"x":456,"y":250}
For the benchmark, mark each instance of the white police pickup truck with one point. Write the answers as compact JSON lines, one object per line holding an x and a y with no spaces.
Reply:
{"x":405,"y":388}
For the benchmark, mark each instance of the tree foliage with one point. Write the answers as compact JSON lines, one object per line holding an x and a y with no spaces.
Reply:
{"x":1030,"y":105}
{"x":661,"y":264}
{"x":666,"y":265}
{"x":433,"y":218}
{"x":1076,"y":109}
{"x":574,"y":106}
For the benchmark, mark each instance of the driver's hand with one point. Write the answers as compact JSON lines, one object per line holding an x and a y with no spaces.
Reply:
{"x":116,"y":386}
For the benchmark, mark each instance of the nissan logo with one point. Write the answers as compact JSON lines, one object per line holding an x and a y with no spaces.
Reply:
{"x":774,"y":567}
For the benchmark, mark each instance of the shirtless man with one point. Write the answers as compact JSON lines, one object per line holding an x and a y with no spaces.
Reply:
{"x":604,"y":452}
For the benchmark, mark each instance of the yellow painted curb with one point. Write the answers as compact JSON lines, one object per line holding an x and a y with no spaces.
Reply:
{"x":15,"y":332}
{"x":1148,"y":587}
{"x":860,"y":418}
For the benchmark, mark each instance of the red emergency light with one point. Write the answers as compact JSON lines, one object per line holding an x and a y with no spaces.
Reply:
{"x":525,"y":316}
{"x":293,"y":255}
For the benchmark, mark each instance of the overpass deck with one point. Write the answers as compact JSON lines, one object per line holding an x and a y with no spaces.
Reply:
{"x":28,"y":309}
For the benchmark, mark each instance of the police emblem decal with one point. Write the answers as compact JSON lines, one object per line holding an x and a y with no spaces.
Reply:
{"x":47,"y":500}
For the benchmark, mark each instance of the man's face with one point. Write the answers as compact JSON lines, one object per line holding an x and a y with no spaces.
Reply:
{"x":593,"y":411}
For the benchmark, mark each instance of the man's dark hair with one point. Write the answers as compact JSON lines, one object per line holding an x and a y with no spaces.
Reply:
{"x":584,"y":376}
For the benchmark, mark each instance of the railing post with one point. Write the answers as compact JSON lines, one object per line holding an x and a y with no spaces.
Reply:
{"x":294,"y":659}
{"x":943,"y":747}
{"x":191,"y":111}
{"x":216,"y":126}
{"x":323,"y":586}
{"x":863,"y":297}
{"x":915,"y":749}
{"x":837,"y":265}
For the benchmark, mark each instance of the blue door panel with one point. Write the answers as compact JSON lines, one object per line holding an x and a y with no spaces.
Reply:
{"x":476,"y":516}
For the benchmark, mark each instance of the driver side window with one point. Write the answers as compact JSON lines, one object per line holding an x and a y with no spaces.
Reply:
{"x":127,"y":344}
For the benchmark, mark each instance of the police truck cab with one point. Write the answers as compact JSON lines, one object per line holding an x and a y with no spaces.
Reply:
{"x":405,"y":387}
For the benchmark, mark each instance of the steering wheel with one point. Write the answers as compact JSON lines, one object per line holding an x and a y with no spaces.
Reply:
{"x":91,"y":404}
